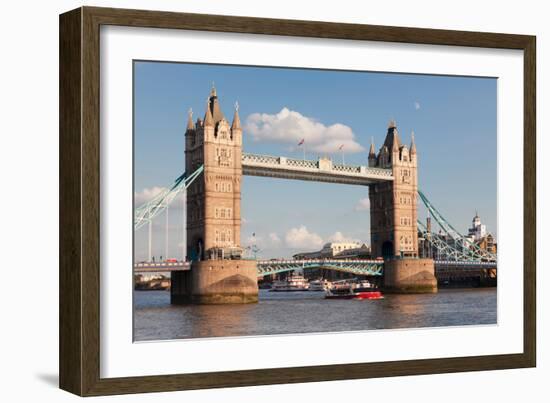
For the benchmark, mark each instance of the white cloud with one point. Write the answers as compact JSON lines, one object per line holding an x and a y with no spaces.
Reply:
{"x":416,"y":105}
{"x":274,"y":238}
{"x":339,"y":237}
{"x":289,"y":127}
{"x":148,"y":194}
{"x":363,"y":204}
{"x":301,"y":238}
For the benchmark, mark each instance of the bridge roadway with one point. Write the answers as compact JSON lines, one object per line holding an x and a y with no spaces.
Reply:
{"x":322,"y":170}
{"x":367,"y":267}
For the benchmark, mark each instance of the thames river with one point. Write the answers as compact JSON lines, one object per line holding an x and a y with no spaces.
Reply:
{"x":307,"y":312}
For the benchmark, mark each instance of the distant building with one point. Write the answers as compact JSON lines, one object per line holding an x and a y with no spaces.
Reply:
{"x":478,"y":230}
{"x":488,"y":243}
{"x":337,"y":250}
{"x":477,"y":235}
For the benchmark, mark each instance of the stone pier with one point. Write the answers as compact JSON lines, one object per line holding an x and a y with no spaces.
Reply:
{"x":409,"y":275}
{"x":216,"y":282}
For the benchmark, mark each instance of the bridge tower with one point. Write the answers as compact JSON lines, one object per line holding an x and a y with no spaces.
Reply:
{"x":218,"y":274}
{"x":393,"y":214}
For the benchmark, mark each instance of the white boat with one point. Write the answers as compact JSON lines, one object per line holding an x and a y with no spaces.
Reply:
{"x":317,"y":285}
{"x":294,"y":282}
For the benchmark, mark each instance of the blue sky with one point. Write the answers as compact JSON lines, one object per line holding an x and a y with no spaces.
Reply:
{"x":453,"y":118}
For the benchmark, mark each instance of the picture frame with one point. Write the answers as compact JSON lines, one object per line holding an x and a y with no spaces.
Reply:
{"x":80,"y":153}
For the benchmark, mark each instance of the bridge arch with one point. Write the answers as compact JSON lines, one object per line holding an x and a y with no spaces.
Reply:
{"x":387,"y":249}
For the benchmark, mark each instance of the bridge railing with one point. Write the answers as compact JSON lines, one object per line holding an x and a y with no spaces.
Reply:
{"x":259,"y":160}
{"x":347,"y":168}
{"x":315,"y":261}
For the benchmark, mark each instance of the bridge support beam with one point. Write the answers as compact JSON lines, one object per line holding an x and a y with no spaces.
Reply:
{"x":216,"y":282}
{"x":410,"y":276}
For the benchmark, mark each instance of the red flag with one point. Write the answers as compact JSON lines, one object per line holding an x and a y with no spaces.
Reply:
{"x":301,"y":142}
{"x":342,"y":146}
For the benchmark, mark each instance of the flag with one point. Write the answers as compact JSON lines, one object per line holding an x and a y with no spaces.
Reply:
{"x":301,"y":142}
{"x":340,"y":148}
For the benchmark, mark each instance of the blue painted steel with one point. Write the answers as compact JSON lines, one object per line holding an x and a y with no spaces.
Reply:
{"x":147,"y":211}
{"x":452,"y":244}
{"x":357,"y":267}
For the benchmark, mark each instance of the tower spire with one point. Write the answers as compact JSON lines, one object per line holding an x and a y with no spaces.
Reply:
{"x":236,"y":120}
{"x":413,"y":144}
{"x":208,"y":120}
{"x":392,"y":137}
{"x":213,"y":90}
{"x":190,"y":124}
{"x":372,"y":152}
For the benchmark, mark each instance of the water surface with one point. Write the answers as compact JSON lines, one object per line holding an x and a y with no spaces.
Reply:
{"x":307,"y":312}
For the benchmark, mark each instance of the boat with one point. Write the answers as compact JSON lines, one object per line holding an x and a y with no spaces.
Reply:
{"x":294,"y":282}
{"x":317,"y":285}
{"x":353,"y":289}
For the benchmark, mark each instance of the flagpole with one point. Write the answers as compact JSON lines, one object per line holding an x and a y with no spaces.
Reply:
{"x":304,"y":150}
{"x":341,"y":148}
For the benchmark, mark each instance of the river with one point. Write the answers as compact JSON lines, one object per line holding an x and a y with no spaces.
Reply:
{"x":308,"y":312}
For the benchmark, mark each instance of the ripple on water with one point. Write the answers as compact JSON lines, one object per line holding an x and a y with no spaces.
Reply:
{"x":309,"y":312}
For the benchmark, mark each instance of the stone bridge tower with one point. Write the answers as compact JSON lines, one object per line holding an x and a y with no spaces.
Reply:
{"x":393,"y":207}
{"x":394,"y":214}
{"x":218,"y":274}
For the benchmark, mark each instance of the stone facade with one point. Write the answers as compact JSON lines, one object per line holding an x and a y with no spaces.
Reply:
{"x":217,"y":275}
{"x":216,"y":282}
{"x":393,"y":214}
{"x":393,"y":204}
{"x":410,"y":276}
{"x":214,"y":199}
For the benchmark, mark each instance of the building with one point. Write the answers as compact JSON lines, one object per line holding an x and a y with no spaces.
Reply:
{"x":479,"y":235}
{"x":393,"y":211}
{"x":337,"y":250}
{"x":218,"y":274}
{"x":360,"y":252}
{"x":478,"y":230}
{"x":214,"y":203}
{"x":488,"y":244}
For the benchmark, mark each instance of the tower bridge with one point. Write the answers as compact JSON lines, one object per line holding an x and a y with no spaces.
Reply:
{"x":322,"y":170}
{"x":215,"y":164}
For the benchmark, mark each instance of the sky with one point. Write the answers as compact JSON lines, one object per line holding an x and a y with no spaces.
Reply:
{"x":453,"y":119}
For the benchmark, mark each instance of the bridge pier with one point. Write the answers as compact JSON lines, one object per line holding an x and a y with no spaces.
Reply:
{"x":409,"y":275}
{"x":216,"y":282}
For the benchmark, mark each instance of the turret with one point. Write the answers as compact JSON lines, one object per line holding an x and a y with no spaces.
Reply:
{"x":413,"y":145}
{"x":236,"y":130}
{"x":236,"y":125}
{"x":372,"y":154}
{"x":190,"y":124}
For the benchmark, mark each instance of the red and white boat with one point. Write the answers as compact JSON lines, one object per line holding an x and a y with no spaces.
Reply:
{"x":353,"y":289}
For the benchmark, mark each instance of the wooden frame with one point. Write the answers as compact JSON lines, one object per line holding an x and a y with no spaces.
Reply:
{"x":79,"y":200}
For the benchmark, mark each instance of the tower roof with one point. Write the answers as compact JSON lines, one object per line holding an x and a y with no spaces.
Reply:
{"x":214,"y":106}
{"x":392,"y":137}
{"x":236,"y":120}
{"x":208,"y":119}
{"x":190,"y":124}
{"x":413,"y":144}
{"x":372,"y":152}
